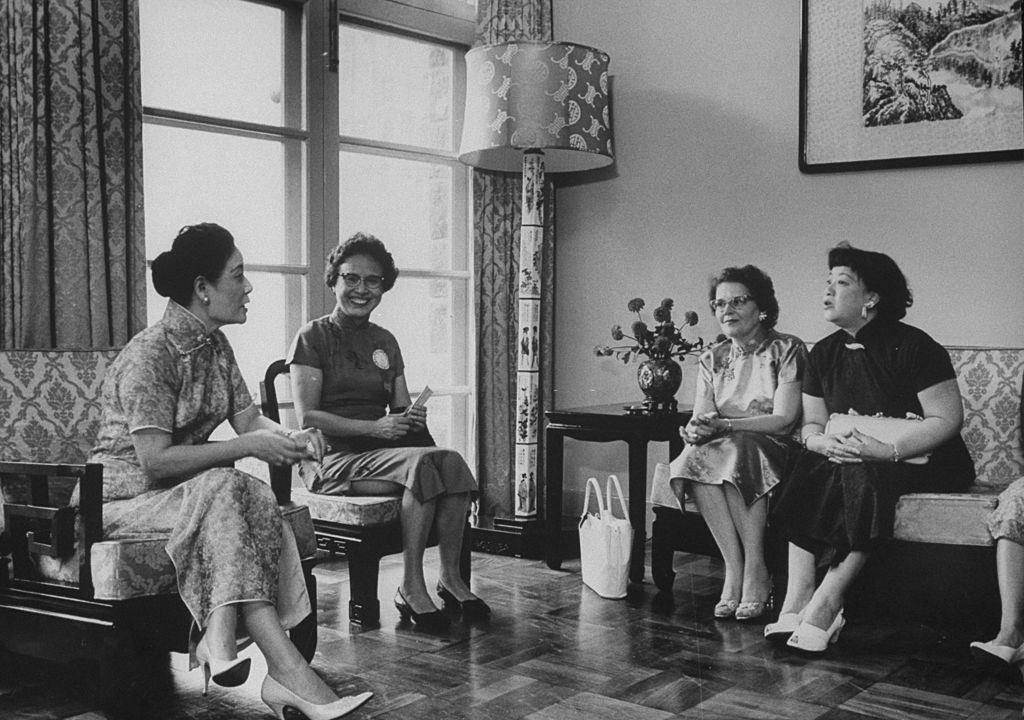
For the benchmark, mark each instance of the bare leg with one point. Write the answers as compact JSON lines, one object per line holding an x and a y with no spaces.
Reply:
{"x":800,"y":581}
{"x":220,"y":632}
{"x":713,"y":507}
{"x":750,"y":521}
{"x":284,"y":662}
{"x":828,"y":598}
{"x":1010,"y":570}
{"x":451,"y":519}
{"x":417,"y":519}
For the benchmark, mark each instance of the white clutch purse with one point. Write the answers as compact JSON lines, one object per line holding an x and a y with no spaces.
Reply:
{"x":886,"y":429}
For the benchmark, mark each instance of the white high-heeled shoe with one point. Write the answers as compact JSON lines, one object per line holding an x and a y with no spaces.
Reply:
{"x":226,"y":673}
{"x":810,"y":639}
{"x":278,"y":697}
{"x":989,"y":651}
{"x":782,"y":628}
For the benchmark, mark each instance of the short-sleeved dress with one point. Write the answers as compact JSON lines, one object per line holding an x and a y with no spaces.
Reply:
{"x":831,"y":509}
{"x":360,"y":362}
{"x":743,"y":384}
{"x":228,"y":540}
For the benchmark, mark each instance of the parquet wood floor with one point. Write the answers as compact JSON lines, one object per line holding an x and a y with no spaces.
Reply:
{"x":556,"y":651}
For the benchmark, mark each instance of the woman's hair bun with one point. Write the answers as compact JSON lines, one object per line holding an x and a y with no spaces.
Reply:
{"x":166,"y":271}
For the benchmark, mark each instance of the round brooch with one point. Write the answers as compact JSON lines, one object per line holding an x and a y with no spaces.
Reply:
{"x":380,"y":359}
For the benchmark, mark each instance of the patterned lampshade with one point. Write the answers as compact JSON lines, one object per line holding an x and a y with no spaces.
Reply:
{"x":524,"y":95}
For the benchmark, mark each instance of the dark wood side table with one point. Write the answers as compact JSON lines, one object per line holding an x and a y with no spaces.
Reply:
{"x":606,"y":423}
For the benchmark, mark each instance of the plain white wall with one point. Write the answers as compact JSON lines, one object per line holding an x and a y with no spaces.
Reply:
{"x":705,"y":113}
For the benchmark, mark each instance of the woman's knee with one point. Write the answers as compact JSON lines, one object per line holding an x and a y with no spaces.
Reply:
{"x":235,"y":483}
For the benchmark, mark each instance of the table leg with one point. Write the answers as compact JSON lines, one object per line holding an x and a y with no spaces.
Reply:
{"x":553,"y":442}
{"x":638,"y":506}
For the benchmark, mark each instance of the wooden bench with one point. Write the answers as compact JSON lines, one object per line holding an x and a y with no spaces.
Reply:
{"x":65,"y":592}
{"x":364,"y":529}
{"x":941,"y":564}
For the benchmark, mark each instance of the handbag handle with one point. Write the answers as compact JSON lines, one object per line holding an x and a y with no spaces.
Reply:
{"x":592,"y":484}
{"x":612,"y":479}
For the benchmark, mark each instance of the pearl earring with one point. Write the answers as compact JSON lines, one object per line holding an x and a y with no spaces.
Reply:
{"x":206,"y":301}
{"x":763,"y":316}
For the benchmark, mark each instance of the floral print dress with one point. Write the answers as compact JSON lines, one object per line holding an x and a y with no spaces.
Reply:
{"x":228,"y":540}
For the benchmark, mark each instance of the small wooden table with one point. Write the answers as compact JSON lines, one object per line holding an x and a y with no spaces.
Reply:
{"x":605,"y":423}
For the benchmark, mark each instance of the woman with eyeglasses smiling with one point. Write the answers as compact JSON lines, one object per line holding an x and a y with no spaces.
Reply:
{"x":838,"y":503}
{"x":348,"y":380}
{"x":746,"y":408}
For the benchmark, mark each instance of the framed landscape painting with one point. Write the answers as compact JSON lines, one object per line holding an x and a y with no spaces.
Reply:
{"x":900,"y":83}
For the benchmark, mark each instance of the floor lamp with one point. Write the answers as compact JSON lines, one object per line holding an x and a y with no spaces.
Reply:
{"x":530,"y":105}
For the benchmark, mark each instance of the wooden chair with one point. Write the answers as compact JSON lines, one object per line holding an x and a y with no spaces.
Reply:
{"x":363,"y":528}
{"x":66,"y":594}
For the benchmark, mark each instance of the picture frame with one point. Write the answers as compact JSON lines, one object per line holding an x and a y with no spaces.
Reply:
{"x":853,"y":116}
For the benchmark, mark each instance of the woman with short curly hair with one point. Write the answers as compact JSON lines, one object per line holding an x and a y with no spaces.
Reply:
{"x":740,"y":437}
{"x":348,"y":380}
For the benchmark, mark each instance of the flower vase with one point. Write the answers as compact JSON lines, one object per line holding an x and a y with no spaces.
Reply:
{"x":659,"y":378}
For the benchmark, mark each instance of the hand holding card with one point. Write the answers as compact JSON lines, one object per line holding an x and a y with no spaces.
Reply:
{"x":421,"y":399}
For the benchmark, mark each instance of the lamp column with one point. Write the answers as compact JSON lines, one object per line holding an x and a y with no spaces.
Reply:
{"x":528,"y":405}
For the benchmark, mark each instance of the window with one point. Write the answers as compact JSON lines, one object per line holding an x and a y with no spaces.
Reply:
{"x":246,"y":124}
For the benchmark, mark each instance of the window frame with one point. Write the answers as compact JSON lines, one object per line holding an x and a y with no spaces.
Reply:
{"x":396,"y":17}
{"x":311,"y":97}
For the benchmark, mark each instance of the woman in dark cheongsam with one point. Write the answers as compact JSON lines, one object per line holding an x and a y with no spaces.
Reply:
{"x":838,"y":505}
{"x":348,"y":380}
{"x":235,"y":557}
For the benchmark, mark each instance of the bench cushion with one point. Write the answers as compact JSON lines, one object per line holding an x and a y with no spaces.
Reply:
{"x":350,"y":510}
{"x":946,"y":518}
{"x":139,"y":566}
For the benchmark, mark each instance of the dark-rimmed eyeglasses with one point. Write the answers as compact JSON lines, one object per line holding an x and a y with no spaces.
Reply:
{"x":371,"y":282}
{"x":735,"y":303}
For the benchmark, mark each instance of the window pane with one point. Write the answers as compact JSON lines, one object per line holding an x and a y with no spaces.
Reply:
{"x":263,"y":337}
{"x":421,"y":313}
{"x":395,"y":89}
{"x":238,"y":182}
{"x":223,"y":58}
{"x":405,"y":203}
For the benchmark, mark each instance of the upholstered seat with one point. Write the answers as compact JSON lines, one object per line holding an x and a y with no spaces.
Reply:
{"x":136,"y":567}
{"x":946,"y":518}
{"x":49,"y":412}
{"x":350,"y":510}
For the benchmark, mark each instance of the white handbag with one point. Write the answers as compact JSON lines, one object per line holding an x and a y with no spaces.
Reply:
{"x":605,"y":543}
{"x":889,"y":430}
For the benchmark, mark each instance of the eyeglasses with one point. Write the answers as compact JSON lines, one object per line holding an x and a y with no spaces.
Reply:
{"x":372,"y":282}
{"x":736,"y":303}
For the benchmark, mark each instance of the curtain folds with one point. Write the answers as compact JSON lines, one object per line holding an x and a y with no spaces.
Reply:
{"x":497,"y":199}
{"x":72,"y":244}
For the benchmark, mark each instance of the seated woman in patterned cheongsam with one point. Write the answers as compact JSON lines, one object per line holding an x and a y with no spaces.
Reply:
{"x":740,"y":437}
{"x":235,"y":557}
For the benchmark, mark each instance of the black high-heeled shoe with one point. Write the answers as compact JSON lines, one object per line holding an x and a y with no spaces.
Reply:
{"x":435,"y":621}
{"x":472,"y":609}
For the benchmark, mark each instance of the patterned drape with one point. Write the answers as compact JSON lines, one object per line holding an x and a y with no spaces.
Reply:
{"x":496,"y":220}
{"x":71,"y":227}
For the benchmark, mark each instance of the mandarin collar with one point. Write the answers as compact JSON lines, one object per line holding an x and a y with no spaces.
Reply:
{"x":186,"y":331}
{"x":347,"y":322}
{"x":736,"y":351}
{"x":872,"y":333}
